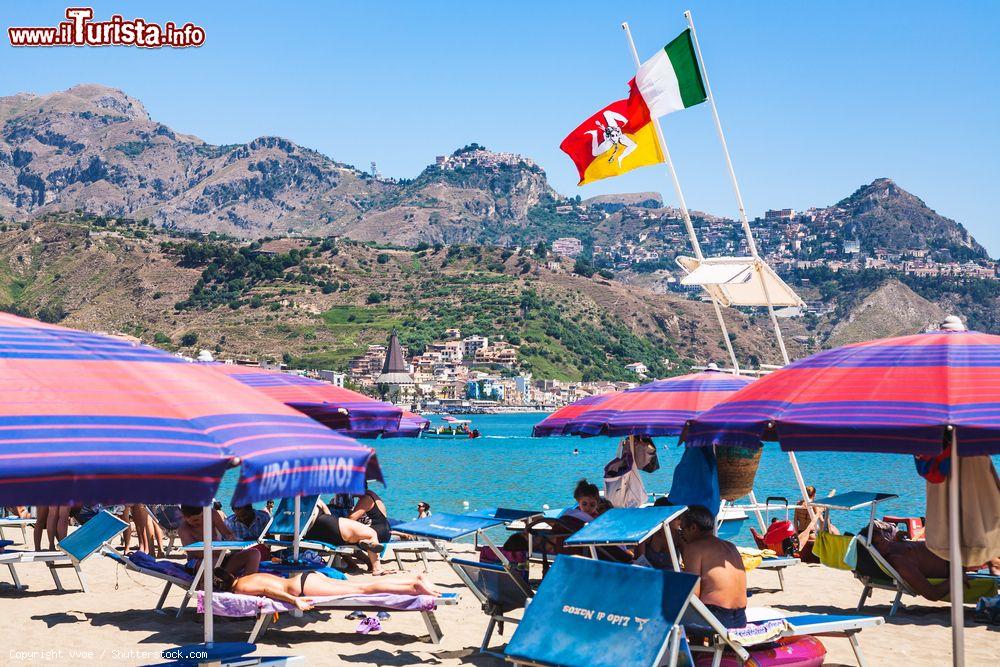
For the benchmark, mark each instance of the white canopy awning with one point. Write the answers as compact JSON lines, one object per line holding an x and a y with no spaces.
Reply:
{"x":738,"y":281}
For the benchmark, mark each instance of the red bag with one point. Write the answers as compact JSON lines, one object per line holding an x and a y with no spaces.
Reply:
{"x":780,"y":537}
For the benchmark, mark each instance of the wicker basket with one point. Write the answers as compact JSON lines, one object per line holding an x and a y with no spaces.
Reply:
{"x":737,"y":468}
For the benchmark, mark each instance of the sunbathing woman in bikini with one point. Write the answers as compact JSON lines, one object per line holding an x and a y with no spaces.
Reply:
{"x":299,"y":589}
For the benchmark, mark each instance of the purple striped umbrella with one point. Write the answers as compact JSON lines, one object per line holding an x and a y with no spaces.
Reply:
{"x":660,"y":408}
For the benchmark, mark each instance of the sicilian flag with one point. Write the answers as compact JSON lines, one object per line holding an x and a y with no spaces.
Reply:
{"x":618,"y":138}
{"x":621,"y":136}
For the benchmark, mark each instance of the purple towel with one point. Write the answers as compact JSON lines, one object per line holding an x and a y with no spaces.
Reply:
{"x":233,"y":604}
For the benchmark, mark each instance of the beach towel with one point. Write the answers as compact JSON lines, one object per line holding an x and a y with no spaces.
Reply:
{"x":289,"y":568}
{"x":980,"y":513}
{"x":752,"y":558}
{"x":696,"y":480}
{"x":170,"y":568}
{"x":832,"y":550}
{"x":236,"y":605}
{"x":757,"y":633}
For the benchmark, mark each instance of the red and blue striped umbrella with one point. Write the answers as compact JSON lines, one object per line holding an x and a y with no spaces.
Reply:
{"x":341,"y":409}
{"x":896,"y":395}
{"x":410,"y":426}
{"x":659,"y":408}
{"x":86,"y":418}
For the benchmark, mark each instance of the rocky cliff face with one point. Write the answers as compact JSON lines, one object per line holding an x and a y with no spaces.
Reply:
{"x":97,"y":149}
{"x":884,"y":215}
{"x":892,"y":309}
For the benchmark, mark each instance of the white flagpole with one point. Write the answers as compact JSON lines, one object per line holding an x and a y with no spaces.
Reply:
{"x":692,"y":236}
{"x":751,"y":244}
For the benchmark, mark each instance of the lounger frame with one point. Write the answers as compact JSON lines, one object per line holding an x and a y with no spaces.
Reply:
{"x":264,"y":619}
{"x":64,"y":557}
{"x":833,"y":628}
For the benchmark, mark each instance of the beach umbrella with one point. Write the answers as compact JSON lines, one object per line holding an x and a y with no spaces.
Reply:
{"x":411,"y":425}
{"x":914,"y":394}
{"x":658,"y":408}
{"x":343,"y":410}
{"x":91,"y":418}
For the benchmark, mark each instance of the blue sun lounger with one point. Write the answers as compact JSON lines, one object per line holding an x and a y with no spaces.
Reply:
{"x":16,"y":522}
{"x":499,"y":587}
{"x":222,"y":654}
{"x":73,"y":549}
{"x":590,"y":613}
{"x":622,"y":527}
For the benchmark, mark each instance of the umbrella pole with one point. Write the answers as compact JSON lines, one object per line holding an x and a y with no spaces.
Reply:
{"x":802,"y":486}
{"x":206,"y":520}
{"x":955,"y":557}
{"x":298,"y":518}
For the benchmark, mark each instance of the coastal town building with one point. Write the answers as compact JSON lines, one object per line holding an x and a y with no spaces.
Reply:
{"x":396,"y":382}
{"x":568,"y":246}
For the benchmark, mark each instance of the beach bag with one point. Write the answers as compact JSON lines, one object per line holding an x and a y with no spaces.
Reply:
{"x":737,"y":468}
{"x":515,"y":550}
{"x":644,"y":452}
{"x":780,"y":537}
{"x":622,"y":485}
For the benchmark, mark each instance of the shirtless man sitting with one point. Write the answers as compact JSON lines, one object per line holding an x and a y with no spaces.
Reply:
{"x":722,"y":586}
{"x":191,"y":530}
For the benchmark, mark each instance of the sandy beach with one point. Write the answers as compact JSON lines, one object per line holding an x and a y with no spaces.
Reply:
{"x":113,"y":624}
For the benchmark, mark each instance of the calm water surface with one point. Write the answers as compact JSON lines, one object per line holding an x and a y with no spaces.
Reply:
{"x":508,"y":467}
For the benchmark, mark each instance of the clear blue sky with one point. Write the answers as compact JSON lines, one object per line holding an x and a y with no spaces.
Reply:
{"x":817,"y":98}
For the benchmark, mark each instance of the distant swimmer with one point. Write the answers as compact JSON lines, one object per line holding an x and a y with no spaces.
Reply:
{"x":575,"y":451}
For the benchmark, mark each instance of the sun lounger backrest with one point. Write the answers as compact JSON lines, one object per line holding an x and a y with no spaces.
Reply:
{"x":493,"y":584}
{"x":592,"y":613}
{"x":169,"y":516}
{"x":731,"y":528}
{"x":88,"y":539}
{"x":446,"y":526}
{"x":283,"y":518}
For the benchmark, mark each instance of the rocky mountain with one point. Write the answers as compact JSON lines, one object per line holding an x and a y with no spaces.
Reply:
{"x":96,"y":149}
{"x":884,"y":215}
{"x":891,"y":309}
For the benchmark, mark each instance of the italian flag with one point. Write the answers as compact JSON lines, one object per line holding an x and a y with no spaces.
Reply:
{"x":671,"y":80}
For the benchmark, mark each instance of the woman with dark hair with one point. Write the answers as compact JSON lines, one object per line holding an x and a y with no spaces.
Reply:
{"x":343,"y":530}
{"x":370,"y":510}
{"x":298,"y":589}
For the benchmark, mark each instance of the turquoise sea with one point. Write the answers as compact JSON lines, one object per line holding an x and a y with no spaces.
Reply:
{"x":508,"y":467}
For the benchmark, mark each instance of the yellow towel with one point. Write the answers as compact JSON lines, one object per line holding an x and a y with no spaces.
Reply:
{"x":752,"y":558}
{"x":975,"y":589}
{"x":830,"y":549}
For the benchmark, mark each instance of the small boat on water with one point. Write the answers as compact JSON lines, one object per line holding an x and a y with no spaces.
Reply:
{"x":452,"y":428}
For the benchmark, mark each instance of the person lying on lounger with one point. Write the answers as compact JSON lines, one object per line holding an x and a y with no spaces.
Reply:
{"x":299,"y":589}
{"x":723,"y":583}
{"x":917,"y":564}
